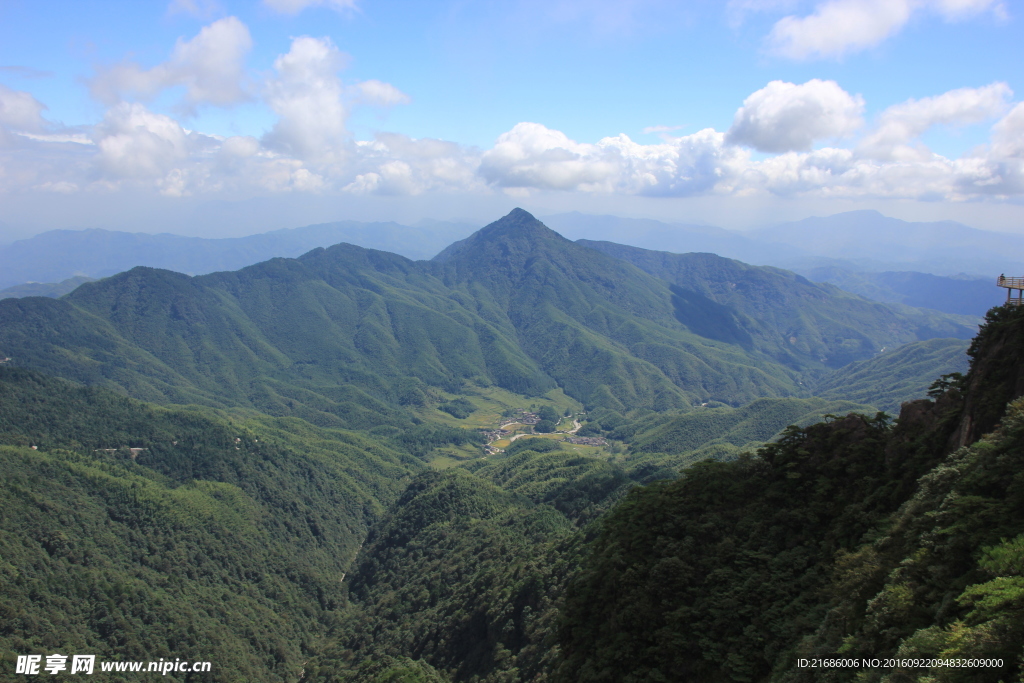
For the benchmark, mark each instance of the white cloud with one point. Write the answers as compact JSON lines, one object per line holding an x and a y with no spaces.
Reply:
{"x":999,"y":170}
{"x":240,"y":146}
{"x":1008,"y":134}
{"x":133,"y":142}
{"x":307,"y":96}
{"x":839,"y":27}
{"x":296,"y":6}
{"x":783,"y":117}
{"x":902,"y":123}
{"x":536,"y":157}
{"x":380,"y":94}
{"x":211,"y":67}
{"x":394,"y":164}
{"x":20,"y":111}
{"x":532,"y":155}
{"x":310,"y":151}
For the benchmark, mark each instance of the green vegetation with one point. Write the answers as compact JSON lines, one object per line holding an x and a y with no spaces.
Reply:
{"x":313,"y":493}
{"x":661,"y":445}
{"x":798,"y":323}
{"x":544,"y":427}
{"x":466,"y":570}
{"x":459,"y":408}
{"x":353,"y":338}
{"x":903,"y":374}
{"x":849,"y":538}
{"x":213,"y":539}
{"x":852,"y":537}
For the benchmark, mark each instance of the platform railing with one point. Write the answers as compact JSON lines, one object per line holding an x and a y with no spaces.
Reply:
{"x":1010,"y":282}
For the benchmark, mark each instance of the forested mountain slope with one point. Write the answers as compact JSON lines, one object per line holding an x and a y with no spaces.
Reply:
{"x":51,"y":289}
{"x":346,"y":336}
{"x":896,"y":376}
{"x":137,"y":532}
{"x":849,"y":539}
{"x":854,"y":537}
{"x":786,"y":316}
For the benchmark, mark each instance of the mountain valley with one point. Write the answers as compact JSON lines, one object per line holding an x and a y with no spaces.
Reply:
{"x":525,"y":459}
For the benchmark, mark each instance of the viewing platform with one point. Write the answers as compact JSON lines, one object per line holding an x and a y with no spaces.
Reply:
{"x":1012,"y":284}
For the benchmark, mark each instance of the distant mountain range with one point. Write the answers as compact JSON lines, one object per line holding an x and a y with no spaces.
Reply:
{"x":855,"y":240}
{"x":864,"y":252}
{"x":346,"y":336}
{"x":57,"y":255}
{"x":945,"y":265}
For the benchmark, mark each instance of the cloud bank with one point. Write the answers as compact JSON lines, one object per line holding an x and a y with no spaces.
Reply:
{"x":786,"y":139}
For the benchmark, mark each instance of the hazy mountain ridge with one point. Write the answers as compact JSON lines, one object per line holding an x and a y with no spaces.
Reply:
{"x":862,"y":252}
{"x":963,"y":295}
{"x":51,"y":289}
{"x":59,"y":254}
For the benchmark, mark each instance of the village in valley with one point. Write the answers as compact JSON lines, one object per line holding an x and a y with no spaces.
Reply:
{"x":522,"y":423}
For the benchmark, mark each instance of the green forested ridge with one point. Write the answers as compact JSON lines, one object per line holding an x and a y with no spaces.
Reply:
{"x":854,"y":537}
{"x":351,"y":337}
{"x":849,"y":538}
{"x":662,"y":444}
{"x":899,"y":375}
{"x":467,"y":570}
{"x":216,"y":541}
{"x":791,"y":319}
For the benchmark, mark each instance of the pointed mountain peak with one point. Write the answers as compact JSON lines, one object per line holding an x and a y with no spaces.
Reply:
{"x":517,"y":222}
{"x":519,"y":227}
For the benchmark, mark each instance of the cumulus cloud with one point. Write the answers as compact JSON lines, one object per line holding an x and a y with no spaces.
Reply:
{"x":839,"y":27}
{"x":394,"y":164}
{"x":532,"y":156}
{"x":783,"y":117}
{"x":134,"y":142}
{"x":900,"y":124}
{"x":307,"y":95}
{"x":211,"y":67}
{"x":309,"y":150}
{"x":296,"y":6}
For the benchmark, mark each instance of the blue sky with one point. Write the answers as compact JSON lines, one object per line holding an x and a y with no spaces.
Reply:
{"x":156,"y":116}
